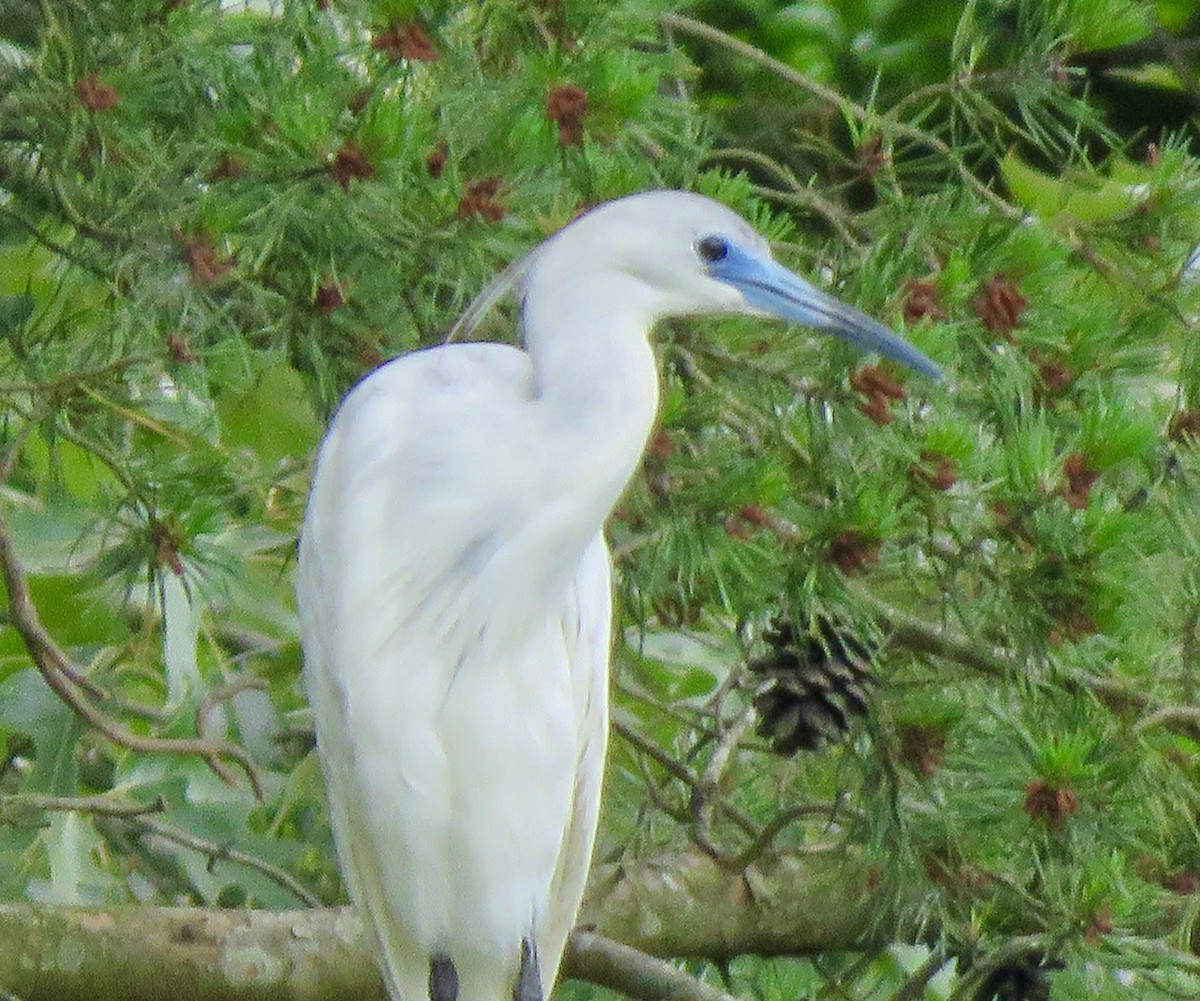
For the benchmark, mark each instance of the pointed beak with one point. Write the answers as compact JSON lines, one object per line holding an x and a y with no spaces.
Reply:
{"x":770,"y":287}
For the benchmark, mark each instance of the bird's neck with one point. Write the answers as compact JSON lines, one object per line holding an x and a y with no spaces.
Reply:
{"x":596,"y":380}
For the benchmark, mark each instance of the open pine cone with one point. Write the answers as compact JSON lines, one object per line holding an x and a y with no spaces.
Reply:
{"x":817,"y":684}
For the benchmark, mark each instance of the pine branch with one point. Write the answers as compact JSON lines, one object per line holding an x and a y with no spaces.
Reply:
{"x":58,"y":669}
{"x":888,"y":126}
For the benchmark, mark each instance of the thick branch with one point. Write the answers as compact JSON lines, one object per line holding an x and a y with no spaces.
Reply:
{"x":783,"y":905}
{"x":686,"y":906}
{"x":602,"y":961}
{"x":71,"y":953}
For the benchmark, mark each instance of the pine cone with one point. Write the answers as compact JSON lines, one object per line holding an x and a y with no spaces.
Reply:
{"x":817,"y":684}
{"x":1021,"y":980}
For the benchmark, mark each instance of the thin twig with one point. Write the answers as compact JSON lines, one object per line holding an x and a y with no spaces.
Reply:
{"x":116,"y":464}
{"x":224,"y":694}
{"x":217,"y":852}
{"x":652,"y":750}
{"x":739,"y":415}
{"x":68,"y":667}
{"x":707,"y":788}
{"x":693,"y":719}
{"x":104,"y":806}
{"x":913,"y":988}
{"x":9,"y":460}
{"x":768,"y":834}
{"x":922,"y":637}
{"x":54,"y":247}
{"x":77,"y":218}
{"x":1172,"y":716}
{"x":1019,"y":949}
{"x":69,"y":379}
{"x":796,"y":194}
{"x":810,"y":199}
{"x":125,"y":707}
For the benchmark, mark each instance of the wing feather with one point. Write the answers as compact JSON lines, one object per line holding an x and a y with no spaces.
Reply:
{"x":587,"y":628}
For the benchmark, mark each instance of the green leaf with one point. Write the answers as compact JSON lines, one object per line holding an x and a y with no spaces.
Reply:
{"x":72,"y":845}
{"x":20,"y":22}
{"x":29,"y":707}
{"x":15,"y":310}
{"x":273,"y":417}
{"x":71,"y":608}
{"x":1082,"y":200}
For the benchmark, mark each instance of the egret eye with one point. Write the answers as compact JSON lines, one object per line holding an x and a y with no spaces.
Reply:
{"x":712,"y":249}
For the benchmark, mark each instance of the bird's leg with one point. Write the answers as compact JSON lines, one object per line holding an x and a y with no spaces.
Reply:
{"x":529,"y":977}
{"x":443,"y":978}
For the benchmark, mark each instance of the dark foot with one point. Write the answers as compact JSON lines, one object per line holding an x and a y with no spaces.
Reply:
{"x":443,"y":979}
{"x":529,"y":978}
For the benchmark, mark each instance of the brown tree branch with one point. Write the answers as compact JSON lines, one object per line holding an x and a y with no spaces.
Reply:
{"x":706,"y":791}
{"x":602,"y":961}
{"x":785,"y":904}
{"x":680,"y":906}
{"x":73,"y":954}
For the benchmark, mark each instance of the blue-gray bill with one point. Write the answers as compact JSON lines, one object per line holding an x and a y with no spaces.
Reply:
{"x":769,"y":286}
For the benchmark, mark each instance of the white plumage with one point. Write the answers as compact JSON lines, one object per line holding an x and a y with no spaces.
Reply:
{"x":454,"y":593}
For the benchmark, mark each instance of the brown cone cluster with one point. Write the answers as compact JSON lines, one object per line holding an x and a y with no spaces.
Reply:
{"x":167,"y":541}
{"x":482,"y":198}
{"x":330,"y":295}
{"x":922,"y":748}
{"x":935,"y":470}
{"x":228,"y":168}
{"x":853,"y":552}
{"x":199,"y":253}
{"x":1055,"y":377}
{"x":350,"y":163}
{"x":1184,"y":426}
{"x":95,"y":94}
{"x":871,"y":157}
{"x":435,"y":159}
{"x":921,"y":301}
{"x":566,"y":105}
{"x":179,"y":350}
{"x":1000,"y":306}
{"x":1077,"y":489}
{"x":406,"y":41}
{"x":1050,"y":803}
{"x":880,"y":391}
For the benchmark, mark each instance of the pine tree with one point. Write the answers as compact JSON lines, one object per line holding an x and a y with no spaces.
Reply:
{"x":906,"y":687}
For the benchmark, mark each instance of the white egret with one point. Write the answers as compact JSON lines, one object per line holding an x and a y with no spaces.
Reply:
{"x":453,"y":588}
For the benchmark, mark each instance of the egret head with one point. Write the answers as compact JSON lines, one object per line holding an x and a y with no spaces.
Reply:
{"x":691,"y":255}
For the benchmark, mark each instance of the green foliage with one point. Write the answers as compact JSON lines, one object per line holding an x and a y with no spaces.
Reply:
{"x":213,"y":222}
